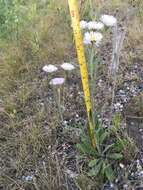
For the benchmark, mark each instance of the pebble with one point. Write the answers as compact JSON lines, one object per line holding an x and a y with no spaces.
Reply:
{"x":125,"y":186}
{"x":121,"y":92}
{"x":118,"y":106}
{"x":28,"y":178}
{"x":121,"y":165}
{"x":141,"y":173}
{"x":109,"y":187}
{"x":125,"y":100}
{"x":65,"y":122}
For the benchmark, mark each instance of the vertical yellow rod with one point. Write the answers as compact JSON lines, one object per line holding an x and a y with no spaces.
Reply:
{"x":73,"y":6}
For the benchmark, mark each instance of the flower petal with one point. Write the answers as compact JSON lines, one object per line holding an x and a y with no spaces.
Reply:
{"x":57,"y":81}
{"x":49,"y":68}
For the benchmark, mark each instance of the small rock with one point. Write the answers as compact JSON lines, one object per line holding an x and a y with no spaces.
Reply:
{"x":71,"y":173}
{"x":140,"y":173}
{"x":121,"y":91}
{"x":125,"y":186}
{"x":121,"y":165}
{"x":27,"y":178}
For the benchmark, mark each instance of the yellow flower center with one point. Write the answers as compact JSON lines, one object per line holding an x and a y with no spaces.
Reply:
{"x":92,"y":36}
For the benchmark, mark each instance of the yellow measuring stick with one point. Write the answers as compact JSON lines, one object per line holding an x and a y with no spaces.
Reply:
{"x":73,"y":6}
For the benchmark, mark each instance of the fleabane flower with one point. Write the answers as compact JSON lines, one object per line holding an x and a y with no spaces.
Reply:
{"x":83,"y":24}
{"x":108,"y":20}
{"x":67,"y":66}
{"x":57,"y":81}
{"x":92,"y":37}
{"x":99,"y":38}
{"x":92,"y":25}
{"x":87,"y":38}
{"x":49,"y":68}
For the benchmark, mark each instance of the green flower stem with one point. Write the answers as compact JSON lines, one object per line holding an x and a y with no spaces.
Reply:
{"x":92,"y":79}
{"x":91,"y":62}
{"x":57,"y":95}
{"x":45,"y":85}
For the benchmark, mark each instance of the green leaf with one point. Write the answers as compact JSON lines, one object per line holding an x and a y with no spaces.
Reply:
{"x":116,"y":122}
{"x":87,"y":149}
{"x":99,"y":133}
{"x":96,"y":169}
{"x":94,"y":162}
{"x":116,"y":156}
{"x":103,"y":168}
{"x":104,"y":136}
{"x":109,"y":173}
{"x":80,"y":148}
{"x":97,"y":123}
{"x":120,"y":145}
{"x":108,"y":148}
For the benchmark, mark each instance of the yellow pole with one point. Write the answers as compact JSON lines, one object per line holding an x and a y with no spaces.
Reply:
{"x":73,"y":6}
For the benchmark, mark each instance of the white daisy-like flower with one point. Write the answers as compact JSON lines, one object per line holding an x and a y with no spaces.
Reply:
{"x":108,"y":20}
{"x":99,"y":26}
{"x":92,"y":25}
{"x":92,"y":37}
{"x":83,"y":24}
{"x":98,"y":38}
{"x":49,"y":68}
{"x":67,"y":66}
{"x":57,"y":81}
{"x":87,"y":38}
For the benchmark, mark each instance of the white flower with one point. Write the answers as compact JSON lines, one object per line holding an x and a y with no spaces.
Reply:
{"x":67,"y":66}
{"x":49,"y":68}
{"x":95,"y":25}
{"x":83,"y":24}
{"x":99,"y":26}
{"x":87,"y":38}
{"x":108,"y":20}
{"x":94,"y":37}
{"x":98,"y":38}
{"x":57,"y":81}
{"x":90,"y":25}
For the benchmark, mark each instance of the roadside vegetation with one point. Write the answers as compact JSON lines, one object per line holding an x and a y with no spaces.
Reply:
{"x":44,"y":143}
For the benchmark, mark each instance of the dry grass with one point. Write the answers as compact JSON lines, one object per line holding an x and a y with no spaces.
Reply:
{"x":27,"y":134}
